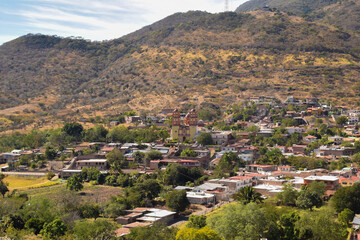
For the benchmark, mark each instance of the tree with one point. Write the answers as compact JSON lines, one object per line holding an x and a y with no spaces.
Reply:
{"x":288,"y":195}
{"x":116,"y":160}
{"x":74,"y":183}
{"x":196,"y":221}
{"x":158,"y":231}
{"x":345,"y":217}
{"x":341,"y":120}
{"x":50,"y":175}
{"x":197,"y":234}
{"x":150,"y":187}
{"x":347,"y":197}
{"x":54,"y":229}
{"x":308,"y":199}
{"x":188,"y":152}
{"x":73,"y":129}
{"x":153,"y":155}
{"x":50,"y":153}
{"x":99,"y":229}
{"x":176,"y":175}
{"x":204,"y":138}
{"x":247,"y":194}
{"x":177,"y":200}
{"x":319,"y":188}
{"x":139,"y":156}
{"x":90,"y":210}
{"x":320,"y":225}
{"x":35,"y":224}
{"x":287,"y":224}
{"x":238,"y":221}
{"x":3,"y":185}
{"x":96,"y":134}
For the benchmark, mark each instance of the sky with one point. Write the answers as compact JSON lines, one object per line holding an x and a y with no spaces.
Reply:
{"x":93,"y":19}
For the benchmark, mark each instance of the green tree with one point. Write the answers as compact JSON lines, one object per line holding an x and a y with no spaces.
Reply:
{"x":99,"y":229}
{"x":341,"y":120}
{"x":3,"y":185}
{"x":288,"y":195}
{"x":197,"y":234}
{"x":246,"y":195}
{"x":188,"y":152}
{"x":90,"y":210}
{"x":116,"y":160}
{"x":287,"y":224}
{"x":196,"y":221}
{"x":158,"y":231}
{"x":50,"y":175}
{"x":153,"y":155}
{"x":308,"y":199}
{"x":238,"y":221}
{"x":35,"y":225}
{"x":345,"y":217}
{"x":319,"y":188}
{"x":74,"y":183}
{"x":177,"y":200}
{"x":320,"y":225}
{"x":96,"y":134}
{"x":54,"y":229}
{"x":73,"y":129}
{"x":50,"y":153}
{"x":347,"y":197}
{"x":204,"y":138}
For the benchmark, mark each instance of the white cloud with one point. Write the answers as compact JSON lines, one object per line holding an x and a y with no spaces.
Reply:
{"x":106,"y":19}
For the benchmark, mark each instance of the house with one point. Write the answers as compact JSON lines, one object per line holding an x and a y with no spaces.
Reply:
{"x":100,"y":164}
{"x":336,"y":139}
{"x":299,"y":148}
{"x":234,"y":184}
{"x":220,"y":191}
{"x":309,"y":139}
{"x":10,"y":157}
{"x":132,"y":119}
{"x":356,"y":222}
{"x":353,"y":120}
{"x":156,"y":164}
{"x":260,"y":168}
{"x":200,"y":198}
{"x":221,"y":138}
{"x":292,"y":130}
{"x":348,"y":181}
{"x":286,"y":168}
{"x":145,"y":217}
{"x":331,"y":182}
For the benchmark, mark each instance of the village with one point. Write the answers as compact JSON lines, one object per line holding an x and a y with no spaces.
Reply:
{"x":295,"y":142}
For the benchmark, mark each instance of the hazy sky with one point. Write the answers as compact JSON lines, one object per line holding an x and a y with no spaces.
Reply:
{"x":92,"y":19}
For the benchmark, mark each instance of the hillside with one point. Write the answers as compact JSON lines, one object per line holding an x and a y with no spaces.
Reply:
{"x":186,"y":58}
{"x":344,"y":14}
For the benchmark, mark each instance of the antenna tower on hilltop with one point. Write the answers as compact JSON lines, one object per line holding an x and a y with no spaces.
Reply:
{"x":226,"y":5}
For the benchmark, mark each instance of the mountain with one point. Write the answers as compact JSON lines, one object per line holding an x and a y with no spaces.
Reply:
{"x":185,"y":59}
{"x":344,"y":14}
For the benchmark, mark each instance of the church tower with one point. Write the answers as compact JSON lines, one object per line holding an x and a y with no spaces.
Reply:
{"x":193,"y":119}
{"x":175,"y":124}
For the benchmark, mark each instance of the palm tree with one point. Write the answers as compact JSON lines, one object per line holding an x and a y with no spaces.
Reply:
{"x":247,"y":194}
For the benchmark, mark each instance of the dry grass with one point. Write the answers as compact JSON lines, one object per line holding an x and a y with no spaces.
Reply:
{"x":23,"y":183}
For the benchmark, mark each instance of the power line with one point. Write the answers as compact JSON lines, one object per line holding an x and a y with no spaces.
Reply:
{"x":226,"y":5}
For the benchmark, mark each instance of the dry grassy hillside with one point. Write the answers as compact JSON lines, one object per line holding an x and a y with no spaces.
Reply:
{"x":188,"y":58}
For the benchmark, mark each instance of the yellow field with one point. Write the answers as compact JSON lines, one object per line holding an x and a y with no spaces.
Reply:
{"x":23,"y":183}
